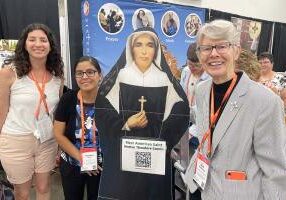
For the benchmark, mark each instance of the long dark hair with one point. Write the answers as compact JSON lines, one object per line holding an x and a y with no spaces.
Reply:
{"x":21,"y":59}
{"x":138,"y":14}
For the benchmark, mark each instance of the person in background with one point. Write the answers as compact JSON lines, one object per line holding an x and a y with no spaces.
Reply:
{"x":191,"y":75}
{"x":75,"y":130}
{"x":241,"y":126}
{"x":248,"y":63}
{"x":30,"y":88}
{"x":276,"y":81}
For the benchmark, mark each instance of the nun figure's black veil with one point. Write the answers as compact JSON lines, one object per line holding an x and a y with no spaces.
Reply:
{"x":124,"y":185}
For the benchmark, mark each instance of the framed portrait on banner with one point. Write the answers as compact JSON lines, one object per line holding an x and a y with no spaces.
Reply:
{"x":249,"y":33}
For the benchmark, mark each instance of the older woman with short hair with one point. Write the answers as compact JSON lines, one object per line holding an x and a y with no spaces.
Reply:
{"x":241,"y":126}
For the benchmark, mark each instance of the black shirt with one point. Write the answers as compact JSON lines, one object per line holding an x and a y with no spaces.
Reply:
{"x":219,"y":92}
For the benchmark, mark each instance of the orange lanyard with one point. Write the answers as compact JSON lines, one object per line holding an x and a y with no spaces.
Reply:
{"x":214,"y":116}
{"x":79,"y":96}
{"x":42,"y":95}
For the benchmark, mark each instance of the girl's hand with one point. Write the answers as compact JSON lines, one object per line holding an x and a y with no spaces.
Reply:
{"x":94,"y":172}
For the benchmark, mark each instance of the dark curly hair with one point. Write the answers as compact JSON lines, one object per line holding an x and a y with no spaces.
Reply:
{"x":265,"y":55}
{"x":21,"y":59}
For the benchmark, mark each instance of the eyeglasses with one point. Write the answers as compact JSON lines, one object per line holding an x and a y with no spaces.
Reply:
{"x":88,"y":73}
{"x":220,"y":48}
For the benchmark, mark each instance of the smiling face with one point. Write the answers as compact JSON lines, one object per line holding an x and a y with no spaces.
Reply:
{"x":143,"y":51}
{"x":90,"y":76}
{"x":219,"y":65}
{"x":37,"y":45}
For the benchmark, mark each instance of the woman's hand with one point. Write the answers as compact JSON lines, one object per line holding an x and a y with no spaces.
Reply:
{"x":138,"y":120}
{"x":94,"y":172}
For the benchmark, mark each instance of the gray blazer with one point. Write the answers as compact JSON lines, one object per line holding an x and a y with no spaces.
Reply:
{"x":250,"y":136}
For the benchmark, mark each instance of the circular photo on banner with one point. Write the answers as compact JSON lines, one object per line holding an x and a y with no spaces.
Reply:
{"x":111,"y":18}
{"x":170,"y":23}
{"x":86,"y":8}
{"x":192,"y":25}
{"x":143,"y":17}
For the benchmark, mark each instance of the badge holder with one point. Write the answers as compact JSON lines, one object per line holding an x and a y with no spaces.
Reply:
{"x":44,"y":128}
{"x":143,"y":155}
{"x":201,"y":170}
{"x":88,"y":159}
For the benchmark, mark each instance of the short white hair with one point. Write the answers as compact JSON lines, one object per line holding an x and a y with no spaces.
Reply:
{"x":219,"y":30}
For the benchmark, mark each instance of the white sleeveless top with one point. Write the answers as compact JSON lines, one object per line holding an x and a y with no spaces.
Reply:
{"x":24,"y":100}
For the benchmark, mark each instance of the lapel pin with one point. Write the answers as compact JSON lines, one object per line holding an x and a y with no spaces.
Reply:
{"x":233,"y":105}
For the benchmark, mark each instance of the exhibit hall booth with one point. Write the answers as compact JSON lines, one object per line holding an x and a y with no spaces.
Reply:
{"x":101,"y":29}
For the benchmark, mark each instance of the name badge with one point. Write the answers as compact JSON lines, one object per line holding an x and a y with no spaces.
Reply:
{"x":143,"y":155}
{"x":201,"y":170}
{"x":88,"y":159}
{"x":44,"y":128}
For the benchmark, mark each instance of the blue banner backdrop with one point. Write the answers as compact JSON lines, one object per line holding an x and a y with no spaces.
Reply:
{"x":107,"y":24}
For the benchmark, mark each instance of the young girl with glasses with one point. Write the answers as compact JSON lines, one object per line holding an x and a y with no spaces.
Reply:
{"x":75,"y":131}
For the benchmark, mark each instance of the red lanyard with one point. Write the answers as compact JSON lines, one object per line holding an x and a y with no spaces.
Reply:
{"x":79,"y":96}
{"x":214,"y":116}
{"x":42,"y":95}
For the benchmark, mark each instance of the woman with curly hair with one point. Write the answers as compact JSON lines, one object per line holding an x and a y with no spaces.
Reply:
{"x":30,"y":87}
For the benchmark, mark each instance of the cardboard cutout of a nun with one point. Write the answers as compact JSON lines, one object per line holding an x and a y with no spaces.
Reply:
{"x":141,"y":113}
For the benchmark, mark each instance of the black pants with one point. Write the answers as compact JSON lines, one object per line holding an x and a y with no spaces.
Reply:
{"x":196,"y":195}
{"x":74,"y":182}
